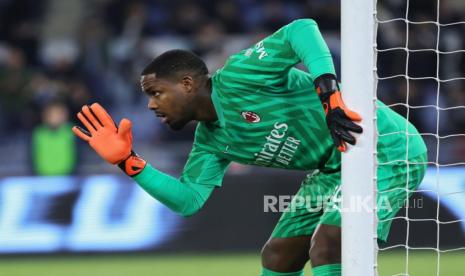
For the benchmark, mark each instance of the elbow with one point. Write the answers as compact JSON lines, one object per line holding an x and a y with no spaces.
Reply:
{"x":187,"y":212}
{"x":193,"y":204}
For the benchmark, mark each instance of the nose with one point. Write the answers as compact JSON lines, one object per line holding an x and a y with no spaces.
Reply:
{"x":152,"y":105}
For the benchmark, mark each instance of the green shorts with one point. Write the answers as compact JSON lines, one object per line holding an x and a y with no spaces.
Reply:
{"x":320,"y":192}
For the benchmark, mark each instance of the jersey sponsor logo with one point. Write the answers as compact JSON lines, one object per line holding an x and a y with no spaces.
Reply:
{"x":250,"y":116}
{"x":261,"y":50}
{"x":278,"y":150}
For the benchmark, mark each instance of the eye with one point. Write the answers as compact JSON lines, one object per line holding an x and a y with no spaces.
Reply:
{"x":153,"y":93}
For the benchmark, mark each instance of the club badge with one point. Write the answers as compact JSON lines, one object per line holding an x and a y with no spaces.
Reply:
{"x":250,"y":116}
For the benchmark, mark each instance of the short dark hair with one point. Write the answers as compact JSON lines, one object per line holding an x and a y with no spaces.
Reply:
{"x":172,"y":62}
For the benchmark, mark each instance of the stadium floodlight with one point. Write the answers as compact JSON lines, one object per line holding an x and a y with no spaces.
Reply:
{"x":358,"y":38}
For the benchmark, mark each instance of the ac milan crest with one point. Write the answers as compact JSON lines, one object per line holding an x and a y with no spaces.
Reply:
{"x":250,"y":116}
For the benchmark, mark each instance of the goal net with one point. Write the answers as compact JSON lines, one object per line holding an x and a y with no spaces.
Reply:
{"x":410,"y":54}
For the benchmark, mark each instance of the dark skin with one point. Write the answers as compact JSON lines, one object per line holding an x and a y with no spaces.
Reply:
{"x":291,"y":254}
{"x":179,"y":101}
{"x":286,"y":254}
{"x":187,"y":98}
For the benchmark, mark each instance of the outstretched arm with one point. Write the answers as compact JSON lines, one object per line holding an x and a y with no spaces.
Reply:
{"x":114,"y":144}
{"x":202,"y":173}
{"x":183,"y":198}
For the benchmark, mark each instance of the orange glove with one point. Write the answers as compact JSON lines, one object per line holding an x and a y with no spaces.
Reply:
{"x":339,"y":118}
{"x":113,"y":144}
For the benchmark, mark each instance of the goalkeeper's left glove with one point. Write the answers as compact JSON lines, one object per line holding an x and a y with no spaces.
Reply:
{"x":339,"y":118}
{"x":112,"y":143}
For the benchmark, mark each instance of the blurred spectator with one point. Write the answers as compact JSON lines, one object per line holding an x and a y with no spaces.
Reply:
{"x":19,"y":25}
{"x":53,"y":146}
{"x":274,"y":15}
{"x":456,"y":100}
{"x":14,"y":94}
{"x":98,"y":54}
{"x":208,"y":43}
{"x":326,"y":13}
{"x":187,"y":17}
{"x":228,"y":13}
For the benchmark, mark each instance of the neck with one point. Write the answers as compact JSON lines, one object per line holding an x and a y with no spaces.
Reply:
{"x":206,"y":110}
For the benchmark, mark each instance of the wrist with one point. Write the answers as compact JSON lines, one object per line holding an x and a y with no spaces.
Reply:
{"x":326,"y":85}
{"x":132,"y":165}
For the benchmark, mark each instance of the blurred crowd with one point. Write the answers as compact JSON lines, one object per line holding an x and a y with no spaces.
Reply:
{"x":82,"y":51}
{"x":435,"y":62}
{"x":69,"y":53}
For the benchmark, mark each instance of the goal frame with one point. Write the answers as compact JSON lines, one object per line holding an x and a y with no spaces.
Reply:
{"x":358,"y":72}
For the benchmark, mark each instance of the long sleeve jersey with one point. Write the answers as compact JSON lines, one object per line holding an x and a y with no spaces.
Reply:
{"x":269,"y":115}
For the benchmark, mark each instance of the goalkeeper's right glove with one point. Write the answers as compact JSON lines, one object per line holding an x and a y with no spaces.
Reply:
{"x":112,"y":143}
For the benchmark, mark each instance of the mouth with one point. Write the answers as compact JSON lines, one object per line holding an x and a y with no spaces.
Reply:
{"x":162,"y":116}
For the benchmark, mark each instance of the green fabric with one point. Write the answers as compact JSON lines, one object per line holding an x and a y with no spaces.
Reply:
{"x":308,"y":43}
{"x":396,"y":181}
{"x":290,"y":130}
{"x":395,"y":132}
{"x":53,"y":150}
{"x":302,"y":218}
{"x":182,"y":197}
{"x":264,"y":66}
{"x":327,"y":270}
{"x":270,"y":115}
{"x":267,"y":272}
{"x":204,"y":168}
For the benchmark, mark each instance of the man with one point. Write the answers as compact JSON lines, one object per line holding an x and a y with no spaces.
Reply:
{"x":260,"y":110}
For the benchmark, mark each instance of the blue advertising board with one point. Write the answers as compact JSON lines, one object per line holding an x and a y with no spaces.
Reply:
{"x":104,"y":213}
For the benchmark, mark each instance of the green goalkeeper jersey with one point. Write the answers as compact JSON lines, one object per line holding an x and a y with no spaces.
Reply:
{"x":270,"y":115}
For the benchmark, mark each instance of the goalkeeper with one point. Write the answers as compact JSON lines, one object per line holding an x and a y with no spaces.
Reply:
{"x":260,"y":110}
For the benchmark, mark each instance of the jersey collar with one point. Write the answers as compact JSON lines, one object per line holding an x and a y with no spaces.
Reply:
{"x":218,"y":108}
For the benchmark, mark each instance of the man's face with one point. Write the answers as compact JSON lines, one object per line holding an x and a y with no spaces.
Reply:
{"x":171,"y":101}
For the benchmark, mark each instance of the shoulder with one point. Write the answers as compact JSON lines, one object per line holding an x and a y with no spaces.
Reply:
{"x":303,"y":22}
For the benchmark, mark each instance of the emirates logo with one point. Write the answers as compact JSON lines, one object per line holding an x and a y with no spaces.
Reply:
{"x":250,"y":116}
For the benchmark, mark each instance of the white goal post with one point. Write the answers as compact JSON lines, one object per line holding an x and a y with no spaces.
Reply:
{"x":358,"y":70}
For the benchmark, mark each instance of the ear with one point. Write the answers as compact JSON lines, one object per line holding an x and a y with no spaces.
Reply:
{"x":187,"y":83}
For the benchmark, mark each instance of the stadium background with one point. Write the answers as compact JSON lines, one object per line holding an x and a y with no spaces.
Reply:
{"x":63,"y":210}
